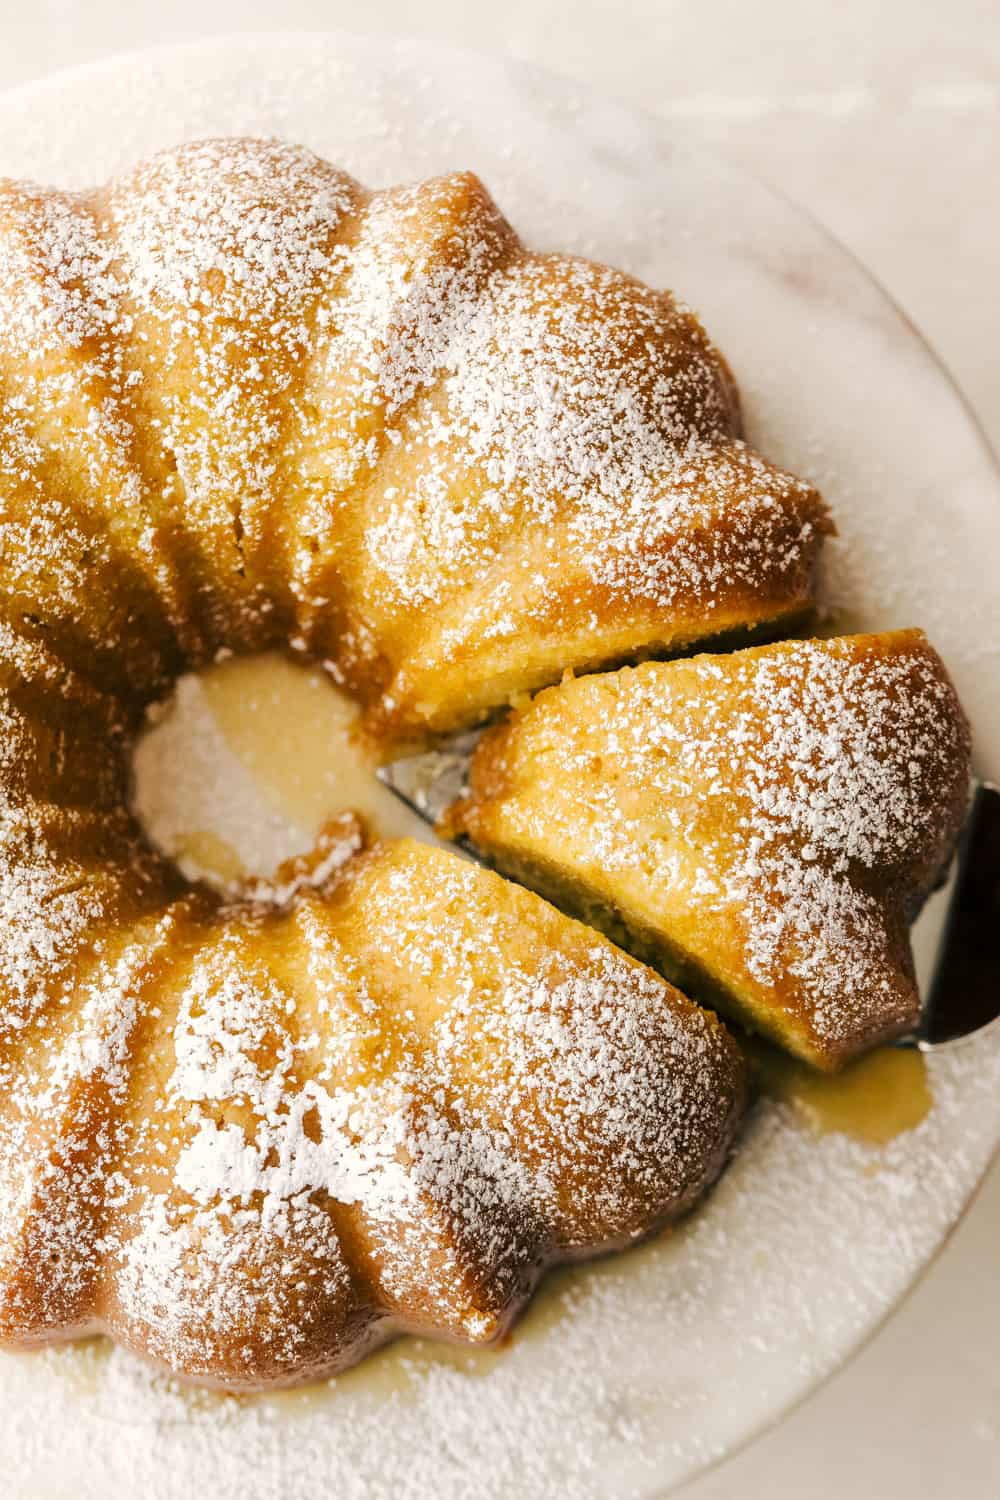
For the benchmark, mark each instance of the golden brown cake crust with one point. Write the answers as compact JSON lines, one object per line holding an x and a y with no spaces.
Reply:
{"x":260,"y":1141}
{"x":248,"y":402}
{"x":762,"y":825}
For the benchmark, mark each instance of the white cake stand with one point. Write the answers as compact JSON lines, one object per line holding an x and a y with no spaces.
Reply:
{"x":630,"y":1376}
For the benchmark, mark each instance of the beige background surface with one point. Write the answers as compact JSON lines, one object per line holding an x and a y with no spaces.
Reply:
{"x":884,"y":120}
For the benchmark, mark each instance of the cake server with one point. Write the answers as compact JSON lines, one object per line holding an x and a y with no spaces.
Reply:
{"x":956,"y":938}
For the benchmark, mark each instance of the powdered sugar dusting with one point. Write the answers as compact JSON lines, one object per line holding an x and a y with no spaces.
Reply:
{"x":779,"y":813}
{"x":532,"y":1418}
{"x":274,"y":407}
{"x":262,"y":1138}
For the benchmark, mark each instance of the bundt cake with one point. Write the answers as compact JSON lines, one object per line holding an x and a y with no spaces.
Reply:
{"x":248,"y":404}
{"x":762,"y":826}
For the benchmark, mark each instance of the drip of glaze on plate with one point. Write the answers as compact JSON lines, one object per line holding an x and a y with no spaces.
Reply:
{"x":240,"y":770}
{"x":873,"y":1100}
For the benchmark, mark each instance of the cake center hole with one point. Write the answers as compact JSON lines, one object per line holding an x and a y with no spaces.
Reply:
{"x":240,"y":769}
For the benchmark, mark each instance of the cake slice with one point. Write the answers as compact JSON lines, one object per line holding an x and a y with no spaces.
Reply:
{"x":761,"y":826}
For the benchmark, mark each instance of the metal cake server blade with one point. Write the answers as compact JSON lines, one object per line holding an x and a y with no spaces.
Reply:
{"x":956,"y":938}
{"x":431,"y":781}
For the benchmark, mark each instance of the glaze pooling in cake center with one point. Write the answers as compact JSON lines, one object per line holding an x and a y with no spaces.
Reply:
{"x":243,"y":766}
